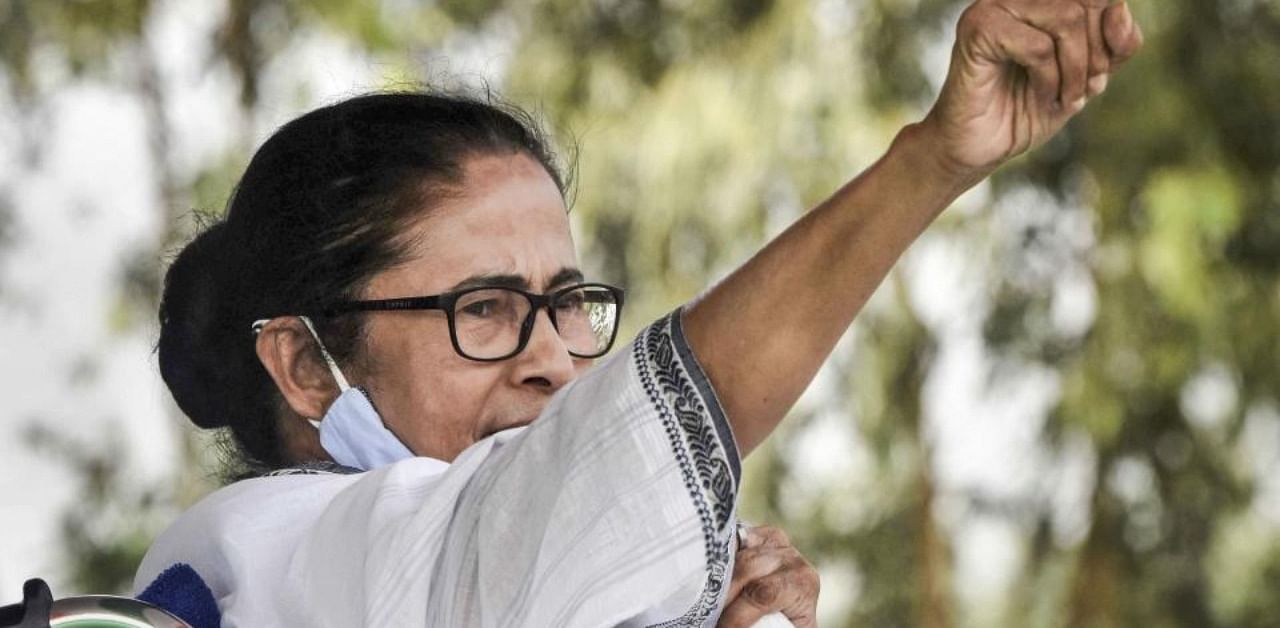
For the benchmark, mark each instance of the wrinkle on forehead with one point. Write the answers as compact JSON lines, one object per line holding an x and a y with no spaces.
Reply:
{"x":506,"y":217}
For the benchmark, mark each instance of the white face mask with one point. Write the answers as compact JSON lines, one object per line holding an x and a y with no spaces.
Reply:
{"x":351,"y":430}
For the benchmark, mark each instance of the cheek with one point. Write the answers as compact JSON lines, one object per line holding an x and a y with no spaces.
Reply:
{"x":429,"y":396}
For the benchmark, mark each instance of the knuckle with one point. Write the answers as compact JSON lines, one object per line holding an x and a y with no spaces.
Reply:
{"x":803,"y":576}
{"x":972,"y":18}
{"x":751,"y":556}
{"x":1042,"y":50}
{"x":813,"y":578}
{"x":1074,"y":13}
{"x":755,"y":562}
{"x":763,"y":592}
{"x":804,"y":563}
{"x":776,"y":534}
{"x":973,"y":11}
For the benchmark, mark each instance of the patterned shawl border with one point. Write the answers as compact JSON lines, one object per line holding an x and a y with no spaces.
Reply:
{"x":694,"y":423}
{"x":317,"y":467}
{"x":709,"y":397}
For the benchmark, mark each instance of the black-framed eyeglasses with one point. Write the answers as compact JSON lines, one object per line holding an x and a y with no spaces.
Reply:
{"x":491,"y":323}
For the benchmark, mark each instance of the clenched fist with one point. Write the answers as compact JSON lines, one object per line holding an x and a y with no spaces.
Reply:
{"x":1020,"y":70}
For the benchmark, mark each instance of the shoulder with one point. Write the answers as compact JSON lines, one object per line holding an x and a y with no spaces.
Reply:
{"x":252,"y":519}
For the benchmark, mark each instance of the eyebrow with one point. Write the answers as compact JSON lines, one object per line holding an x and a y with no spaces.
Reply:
{"x":563,"y":276}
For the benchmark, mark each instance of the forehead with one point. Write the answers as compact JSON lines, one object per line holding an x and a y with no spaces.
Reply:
{"x":506,"y":218}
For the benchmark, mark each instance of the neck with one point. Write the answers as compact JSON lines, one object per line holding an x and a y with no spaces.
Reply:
{"x":301,"y":441}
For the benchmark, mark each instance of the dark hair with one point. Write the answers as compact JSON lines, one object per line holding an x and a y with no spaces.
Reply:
{"x":321,"y":209}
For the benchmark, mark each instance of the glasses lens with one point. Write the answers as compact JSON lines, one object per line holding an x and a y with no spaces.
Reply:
{"x":587,"y":318}
{"x":487,"y":322}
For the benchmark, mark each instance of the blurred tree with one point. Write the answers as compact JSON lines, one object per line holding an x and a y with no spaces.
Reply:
{"x":1180,"y":354}
{"x":708,"y":126}
{"x":108,"y":528}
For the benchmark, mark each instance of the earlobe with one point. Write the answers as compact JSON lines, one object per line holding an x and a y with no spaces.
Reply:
{"x":287,"y":351}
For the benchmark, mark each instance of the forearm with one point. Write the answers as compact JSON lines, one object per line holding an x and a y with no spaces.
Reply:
{"x":763,"y":332}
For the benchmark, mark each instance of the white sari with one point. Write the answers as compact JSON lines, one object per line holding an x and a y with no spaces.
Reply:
{"x":616,"y":507}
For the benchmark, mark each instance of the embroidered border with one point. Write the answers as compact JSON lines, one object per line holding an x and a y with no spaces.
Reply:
{"x":703,"y":446}
{"x":318,"y":467}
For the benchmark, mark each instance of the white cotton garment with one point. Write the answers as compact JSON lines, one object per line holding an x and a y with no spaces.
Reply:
{"x":773,"y":620}
{"x":616,"y":507}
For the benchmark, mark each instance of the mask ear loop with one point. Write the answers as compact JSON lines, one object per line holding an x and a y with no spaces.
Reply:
{"x":338,"y":377}
{"x":343,"y":386}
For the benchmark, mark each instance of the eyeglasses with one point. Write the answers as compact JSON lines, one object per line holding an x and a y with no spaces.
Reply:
{"x":488,"y":324}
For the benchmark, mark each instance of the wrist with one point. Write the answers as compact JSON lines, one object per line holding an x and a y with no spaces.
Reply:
{"x":925,"y":179}
{"x":921,"y":146}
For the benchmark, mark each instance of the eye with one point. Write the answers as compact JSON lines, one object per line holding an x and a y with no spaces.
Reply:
{"x":480,"y":309}
{"x":571,"y":300}
{"x":489,"y":304}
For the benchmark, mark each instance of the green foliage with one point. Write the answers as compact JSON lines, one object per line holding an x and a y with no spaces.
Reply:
{"x":84,"y":33}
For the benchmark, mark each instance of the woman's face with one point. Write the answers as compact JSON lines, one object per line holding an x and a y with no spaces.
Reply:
{"x":507,"y":226}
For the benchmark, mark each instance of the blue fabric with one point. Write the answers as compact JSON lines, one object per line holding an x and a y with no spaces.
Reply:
{"x":181,"y":591}
{"x":354,"y":435}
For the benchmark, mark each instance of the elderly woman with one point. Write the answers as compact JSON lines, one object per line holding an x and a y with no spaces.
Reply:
{"x":392,"y":322}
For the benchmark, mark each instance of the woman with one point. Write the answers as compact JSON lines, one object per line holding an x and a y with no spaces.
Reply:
{"x":392,"y":322}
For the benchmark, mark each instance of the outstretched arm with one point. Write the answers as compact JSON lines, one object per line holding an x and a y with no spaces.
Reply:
{"x":1019,"y":71}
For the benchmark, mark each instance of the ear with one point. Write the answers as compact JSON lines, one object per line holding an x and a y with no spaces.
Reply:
{"x":289,"y":353}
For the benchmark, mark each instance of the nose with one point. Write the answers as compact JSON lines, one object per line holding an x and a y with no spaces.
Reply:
{"x":545,"y":362}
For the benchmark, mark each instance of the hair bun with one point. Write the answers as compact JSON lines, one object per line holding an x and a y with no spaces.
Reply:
{"x":193,"y":330}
